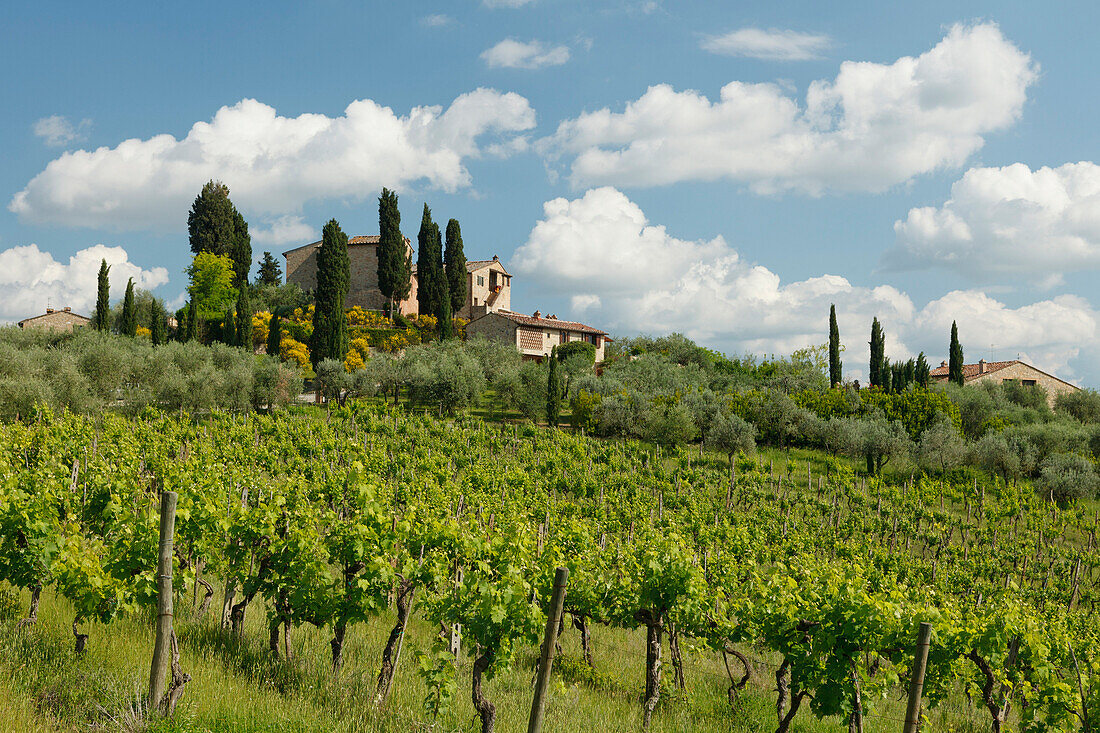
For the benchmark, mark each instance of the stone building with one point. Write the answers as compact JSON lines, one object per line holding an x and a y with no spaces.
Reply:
{"x":57,"y":320}
{"x":488,"y":284}
{"x":535,"y":335}
{"x":1003,"y":371}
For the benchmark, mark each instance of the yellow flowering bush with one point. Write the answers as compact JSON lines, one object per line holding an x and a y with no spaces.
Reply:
{"x":261,"y":326}
{"x":353,"y":362}
{"x":366,"y":319}
{"x":427,"y":322}
{"x":296,"y":351}
{"x":143,"y":332}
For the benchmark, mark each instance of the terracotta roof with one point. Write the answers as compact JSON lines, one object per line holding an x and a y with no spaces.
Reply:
{"x":542,"y":322}
{"x":473,"y":266}
{"x":361,"y":239}
{"x":970,"y":371}
{"x":58,"y":312}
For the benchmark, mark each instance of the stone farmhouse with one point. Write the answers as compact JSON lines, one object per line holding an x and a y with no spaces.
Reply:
{"x":1003,"y":371}
{"x":56,"y":320}
{"x":488,"y":284}
{"x":535,"y":335}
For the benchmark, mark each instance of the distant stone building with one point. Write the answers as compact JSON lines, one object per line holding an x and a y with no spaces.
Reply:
{"x":488,"y":284}
{"x":1003,"y":371}
{"x":57,"y":320}
{"x":535,"y":335}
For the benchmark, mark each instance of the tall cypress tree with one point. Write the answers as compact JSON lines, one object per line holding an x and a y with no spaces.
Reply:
{"x":330,"y":323}
{"x":244,"y":319}
{"x":922,"y":374}
{"x":429,"y":266}
{"x":885,"y":373}
{"x":454,"y":262}
{"x":192,"y":331}
{"x":553,"y":390}
{"x":394,"y":260}
{"x":877,"y":344}
{"x":270,"y":272}
{"x":127,"y":325}
{"x":835,"y":365}
{"x":215,"y":225}
{"x":240,"y":250}
{"x":229,"y":328}
{"x":101,"y":318}
{"x":955,"y":365}
{"x":275,"y":334}
{"x":446,"y":320}
{"x":158,"y":323}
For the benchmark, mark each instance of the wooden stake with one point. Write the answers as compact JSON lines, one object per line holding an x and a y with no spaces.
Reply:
{"x":549,"y":643}
{"x":161,"y":649}
{"x":916,"y":682}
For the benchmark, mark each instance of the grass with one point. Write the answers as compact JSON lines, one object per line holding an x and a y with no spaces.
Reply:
{"x":239,"y":687}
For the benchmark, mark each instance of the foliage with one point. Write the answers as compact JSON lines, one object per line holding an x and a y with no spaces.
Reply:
{"x":101,"y":317}
{"x":215,"y":226}
{"x":394,"y":261}
{"x":1068,"y":477}
{"x":270,"y":273}
{"x":454,"y":264}
{"x":128,"y":321}
{"x":211,"y":288}
{"x":955,"y":364}
{"x":329,"y":339}
{"x":836,"y":374}
{"x":431,"y":280}
{"x":878,"y":354}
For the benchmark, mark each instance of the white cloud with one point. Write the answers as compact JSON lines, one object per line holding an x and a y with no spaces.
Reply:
{"x":437,"y":20}
{"x":30,"y":279}
{"x":272,"y":164}
{"x":284,"y":230}
{"x":872,"y":127}
{"x":1008,"y":221}
{"x":506,"y":3}
{"x":58,"y":130}
{"x":513,"y":54}
{"x":772,"y":44}
{"x":630,"y":276}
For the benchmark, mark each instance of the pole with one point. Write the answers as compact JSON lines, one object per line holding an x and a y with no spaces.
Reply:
{"x":916,"y":683}
{"x":158,"y":670}
{"x":549,"y":642}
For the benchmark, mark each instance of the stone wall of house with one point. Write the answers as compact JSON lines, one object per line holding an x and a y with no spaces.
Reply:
{"x":1021,"y":371}
{"x":301,"y":269}
{"x":494,"y":327}
{"x":62,"y":320}
{"x":477,"y":294}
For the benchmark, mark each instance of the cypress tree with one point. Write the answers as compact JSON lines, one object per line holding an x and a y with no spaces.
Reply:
{"x":454,"y":262}
{"x":885,"y":375}
{"x":215,"y":225}
{"x":955,"y":365}
{"x":430,"y":277}
{"x":330,"y":323}
{"x":553,"y":390}
{"x":158,"y":323}
{"x":835,"y":365}
{"x":229,"y":331}
{"x":921,"y":374}
{"x":192,"y":332}
{"x":394,"y":260}
{"x":128,"y":322}
{"x":101,"y":318}
{"x":877,"y":344}
{"x":270,"y":272}
{"x":240,"y":250}
{"x":244,"y":319}
{"x":446,"y":320}
{"x":275,"y":334}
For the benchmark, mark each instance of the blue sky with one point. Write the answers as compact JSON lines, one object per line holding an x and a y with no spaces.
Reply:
{"x":725,"y":170}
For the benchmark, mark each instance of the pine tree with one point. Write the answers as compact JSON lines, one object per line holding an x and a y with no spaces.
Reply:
{"x":127,"y":325}
{"x":430,"y":277}
{"x":330,"y":322}
{"x":215,"y":225}
{"x":835,"y":365}
{"x":955,"y":366}
{"x":921,"y":374}
{"x":553,"y":390}
{"x":101,"y":318}
{"x":394,"y":260}
{"x":270,"y":271}
{"x":244,"y":320}
{"x":454,"y":262}
{"x":275,"y":334}
{"x":877,"y":344}
{"x":158,"y":323}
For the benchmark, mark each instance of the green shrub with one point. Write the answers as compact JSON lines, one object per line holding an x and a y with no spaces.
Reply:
{"x":10,"y":606}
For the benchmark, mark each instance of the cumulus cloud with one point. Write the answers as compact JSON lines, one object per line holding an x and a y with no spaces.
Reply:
{"x":30,"y":279}
{"x":284,"y":230}
{"x":437,"y":20}
{"x":513,"y":54}
{"x":771,"y":45}
{"x":872,"y":127}
{"x":272,"y":164}
{"x":1007,"y":221}
{"x":58,"y":130}
{"x":629,"y":275}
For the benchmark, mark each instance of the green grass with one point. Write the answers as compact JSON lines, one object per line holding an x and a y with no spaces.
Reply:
{"x":239,"y":687}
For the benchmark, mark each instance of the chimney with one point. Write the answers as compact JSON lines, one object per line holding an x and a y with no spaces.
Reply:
{"x":67,"y":309}
{"x":536,"y":314}
{"x":496,"y":259}
{"x":943,"y":364}
{"x":49,"y":310}
{"x":981,"y":366}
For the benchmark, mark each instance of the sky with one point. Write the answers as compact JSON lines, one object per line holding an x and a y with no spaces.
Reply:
{"x":725,"y":170}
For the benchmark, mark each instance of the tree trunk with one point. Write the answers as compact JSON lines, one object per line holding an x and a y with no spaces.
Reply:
{"x":785,"y":721}
{"x":580,"y":623}
{"x":32,"y":615}
{"x":855,"y":720}
{"x":273,"y":636}
{"x":782,"y":690}
{"x":485,"y":709}
{"x":653,"y":631}
{"x":179,"y":679}
{"x":81,"y":640}
{"x":337,"y":645}
{"x":391,"y":655}
{"x":200,"y":612}
{"x":227,"y":602}
{"x":677,"y":660}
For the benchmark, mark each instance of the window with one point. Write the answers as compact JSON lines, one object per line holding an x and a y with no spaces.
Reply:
{"x":1029,"y":382}
{"x":481,"y":281}
{"x":563,"y":337}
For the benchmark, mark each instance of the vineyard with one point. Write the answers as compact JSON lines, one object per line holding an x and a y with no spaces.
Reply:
{"x":749,"y":594}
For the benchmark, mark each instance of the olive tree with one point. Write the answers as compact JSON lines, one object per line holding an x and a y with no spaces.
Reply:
{"x":729,"y":433}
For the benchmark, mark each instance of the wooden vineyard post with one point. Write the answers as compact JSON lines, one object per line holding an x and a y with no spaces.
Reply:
{"x":549,"y":643}
{"x":916,"y":682}
{"x":161,"y":649}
